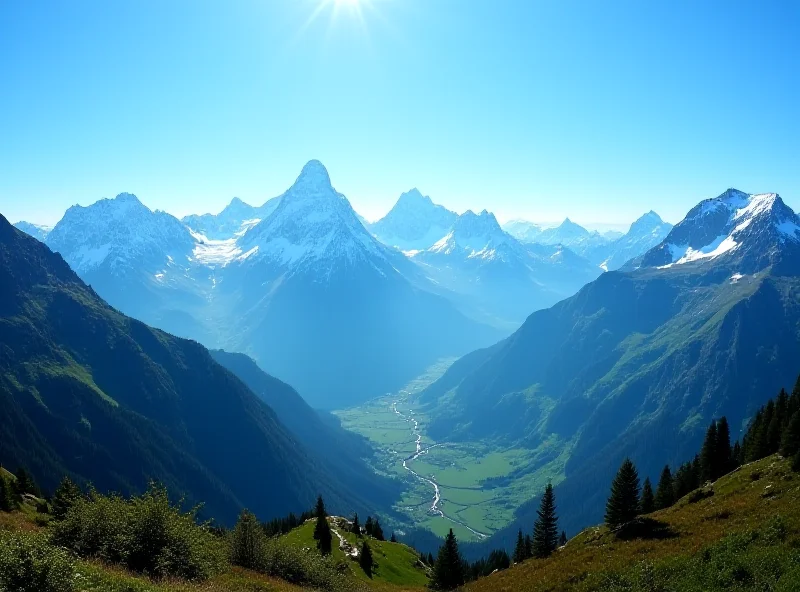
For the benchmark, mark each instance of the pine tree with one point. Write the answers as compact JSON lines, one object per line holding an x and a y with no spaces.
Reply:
{"x":322,"y":531}
{"x":365,"y":559}
{"x":519,"y":549}
{"x":377,"y":531}
{"x":648,"y":502}
{"x":724,"y":462}
{"x":528,"y":546}
{"x":368,"y":526}
{"x":708,"y":455}
{"x":665,"y":492}
{"x":736,"y":455}
{"x":248,"y":542}
{"x":7,"y":497}
{"x":356,"y":528}
{"x":448,"y":571}
{"x":623,"y":503}
{"x":393,"y":538}
{"x":790,"y":442}
{"x":562,"y":540}
{"x":24,"y":482}
{"x":431,"y":560}
{"x":545,"y":530}
{"x":65,"y":496}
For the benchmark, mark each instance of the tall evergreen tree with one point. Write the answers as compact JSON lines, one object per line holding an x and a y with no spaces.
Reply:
{"x":665,"y":492}
{"x":708,"y":455}
{"x":519,"y":549}
{"x":545,"y":529}
{"x":65,"y":496}
{"x":365,"y":559}
{"x":736,"y":455}
{"x":7,"y":496}
{"x":377,"y":531}
{"x":393,"y":539}
{"x":248,"y":542}
{"x":648,"y":502}
{"x":562,"y":540}
{"x":623,"y":503}
{"x":528,"y":546}
{"x":356,"y":528}
{"x":322,"y":531}
{"x":24,"y":482}
{"x":790,"y":441}
{"x":448,"y":571}
{"x":723,"y":447}
{"x":368,"y":526}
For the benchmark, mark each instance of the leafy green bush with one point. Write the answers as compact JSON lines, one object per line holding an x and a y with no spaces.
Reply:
{"x":145,"y":534}
{"x":29,"y":564}
{"x":248,"y":543}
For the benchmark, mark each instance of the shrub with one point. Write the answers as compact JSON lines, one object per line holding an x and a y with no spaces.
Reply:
{"x":145,"y":534}
{"x":248,"y":543}
{"x":29,"y":564}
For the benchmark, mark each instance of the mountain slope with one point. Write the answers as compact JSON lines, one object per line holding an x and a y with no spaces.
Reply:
{"x":638,"y":358}
{"x":644,"y":234}
{"x":90,"y":392}
{"x":37,"y":231}
{"x":235,"y":219}
{"x":414,"y":222}
{"x":320,"y":303}
{"x":522,"y":230}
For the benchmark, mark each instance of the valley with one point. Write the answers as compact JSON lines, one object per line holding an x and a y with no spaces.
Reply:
{"x":470,"y":486}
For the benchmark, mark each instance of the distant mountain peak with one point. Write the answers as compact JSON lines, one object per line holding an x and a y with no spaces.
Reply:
{"x":414,"y":222}
{"x":127,"y":198}
{"x":314,"y":179}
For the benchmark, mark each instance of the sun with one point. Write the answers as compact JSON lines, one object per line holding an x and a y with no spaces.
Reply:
{"x":350,"y":3}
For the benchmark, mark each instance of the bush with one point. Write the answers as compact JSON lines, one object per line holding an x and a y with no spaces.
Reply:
{"x":304,"y":568}
{"x":145,"y":534}
{"x":29,"y":564}
{"x":248,"y":543}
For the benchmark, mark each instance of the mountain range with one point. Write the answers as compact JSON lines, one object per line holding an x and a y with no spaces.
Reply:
{"x":91,"y":393}
{"x":414,"y":223}
{"x":704,"y":324}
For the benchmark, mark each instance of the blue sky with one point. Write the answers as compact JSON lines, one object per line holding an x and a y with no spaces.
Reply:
{"x":530,"y":108}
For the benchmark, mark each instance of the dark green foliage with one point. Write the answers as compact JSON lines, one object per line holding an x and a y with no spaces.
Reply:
{"x":665,"y":492}
{"x":368,"y":526}
{"x":775,"y":428}
{"x":724,"y":461}
{"x":431,"y":560}
{"x":356,"y":528}
{"x":520,"y":550}
{"x":145,"y":534}
{"x":29,"y":564}
{"x":393,"y":539}
{"x":687,"y":479}
{"x":790,"y":442}
{"x":248,"y":543}
{"x":545,"y":529}
{"x":8,"y":497}
{"x":278,"y":526}
{"x":528,"y":546}
{"x":623,"y":503}
{"x":24,"y":483}
{"x":562,"y":540}
{"x":65,"y":496}
{"x":497,"y":560}
{"x":647,"y":504}
{"x":365,"y":559}
{"x":448,"y":571}
{"x":708,"y":455}
{"x":322,"y":530}
{"x":377,"y":531}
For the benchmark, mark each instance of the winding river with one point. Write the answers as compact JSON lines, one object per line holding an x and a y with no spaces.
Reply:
{"x":437,"y":496}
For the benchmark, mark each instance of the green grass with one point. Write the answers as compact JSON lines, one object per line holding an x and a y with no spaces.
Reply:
{"x":746,"y":536}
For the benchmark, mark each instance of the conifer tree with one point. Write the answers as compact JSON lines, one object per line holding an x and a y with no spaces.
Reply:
{"x":562,"y":540}
{"x":24,"y":482}
{"x":7,"y":496}
{"x":368,"y":525}
{"x":322,"y":531}
{"x":393,"y":538}
{"x":665,"y":491}
{"x":623,"y":503}
{"x":708,"y":455}
{"x":528,"y":546}
{"x":448,"y":571}
{"x":356,"y":528}
{"x":365,"y":559}
{"x":648,"y":503}
{"x":790,"y":442}
{"x":545,"y":529}
{"x":248,"y":542}
{"x":431,"y":560}
{"x":736,"y":455}
{"x":65,"y":496}
{"x":377,"y":531}
{"x":724,"y":462}
{"x":519,"y":549}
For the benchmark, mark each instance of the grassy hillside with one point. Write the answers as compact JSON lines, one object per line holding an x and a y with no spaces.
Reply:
{"x":742,"y":533}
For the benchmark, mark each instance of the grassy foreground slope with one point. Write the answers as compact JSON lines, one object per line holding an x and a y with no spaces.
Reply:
{"x":741,"y":533}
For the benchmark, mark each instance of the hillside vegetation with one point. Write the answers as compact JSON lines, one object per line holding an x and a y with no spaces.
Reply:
{"x":740,"y":533}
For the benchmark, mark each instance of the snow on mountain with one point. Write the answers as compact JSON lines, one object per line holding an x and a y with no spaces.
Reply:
{"x":567,"y":233}
{"x":312,"y":227}
{"x":522,"y":230}
{"x":478,"y":236}
{"x":414,"y":223}
{"x":120,"y":235}
{"x":37,"y":231}
{"x":751,"y":226}
{"x":235,"y":219}
{"x":645,"y":233}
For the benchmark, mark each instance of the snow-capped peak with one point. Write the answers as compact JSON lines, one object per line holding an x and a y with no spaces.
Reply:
{"x":477,"y":234}
{"x":733,"y":222}
{"x":414,"y":222}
